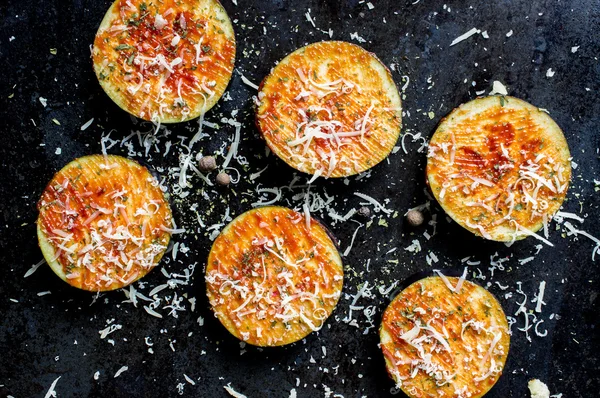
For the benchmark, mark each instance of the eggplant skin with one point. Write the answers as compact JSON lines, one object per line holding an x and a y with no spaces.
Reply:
{"x":339,"y":93}
{"x":499,"y":167}
{"x":469,"y":320}
{"x":167,"y":61}
{"x":103,"y":222}
{"x":271,"y":279}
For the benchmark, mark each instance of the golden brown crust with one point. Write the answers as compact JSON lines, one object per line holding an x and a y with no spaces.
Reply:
{"x":499,"y":167}
{"x":166,"y":61}
{"x":271,"y":280}
{"x":104,"y":222}
{"x":330,"y":108}
{"x":437,"y":341}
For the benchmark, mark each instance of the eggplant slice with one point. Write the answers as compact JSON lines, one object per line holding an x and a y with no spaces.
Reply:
{"x":103,"y":222}
{"x":499,"y":167}
{"x":273,"y":276}
{"x":330,"y":109}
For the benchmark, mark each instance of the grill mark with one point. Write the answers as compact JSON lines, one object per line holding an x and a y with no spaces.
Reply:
{"x":502,"y":133}
{"x":470,"y":159}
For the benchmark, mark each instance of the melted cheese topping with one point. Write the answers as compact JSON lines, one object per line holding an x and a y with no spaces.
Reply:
{"x":271,"y":279}
{"x":330,"y":109}
{"x":103,"y":222}
{"x":443,"y":341}
{"x":166,"y":61}
{"x":499,"y":167}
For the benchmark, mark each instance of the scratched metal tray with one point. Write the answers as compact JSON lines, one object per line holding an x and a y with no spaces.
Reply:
{"x":49,"y":330}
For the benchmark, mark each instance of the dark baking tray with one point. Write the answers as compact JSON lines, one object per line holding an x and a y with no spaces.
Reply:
{"x":57,"y":334}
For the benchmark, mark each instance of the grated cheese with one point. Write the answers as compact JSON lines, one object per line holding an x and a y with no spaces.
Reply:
{"x":415,"y":138}
{"x":377,"y":206}
{"x":465,"y":36}
{"x":459,"y":284}
{"x":51,"y":392}
{"x":520,"y":229}
{"x":109,"y":329}
{"x":347,"y":251}
{"x":236,"y":141}
{"x":152,"y":312}
{"x":232,"y":392}
{"x":248,"y":82}
{"x":34,"y":268}
{"x":540,"y":297}
{"x":574,"y":231}
{"x":87,"y":124}
{"x":120,"y":371}
{"x":309,"y":18}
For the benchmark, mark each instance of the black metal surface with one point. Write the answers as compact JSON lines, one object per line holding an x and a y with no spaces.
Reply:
{"x":57,"y":334}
